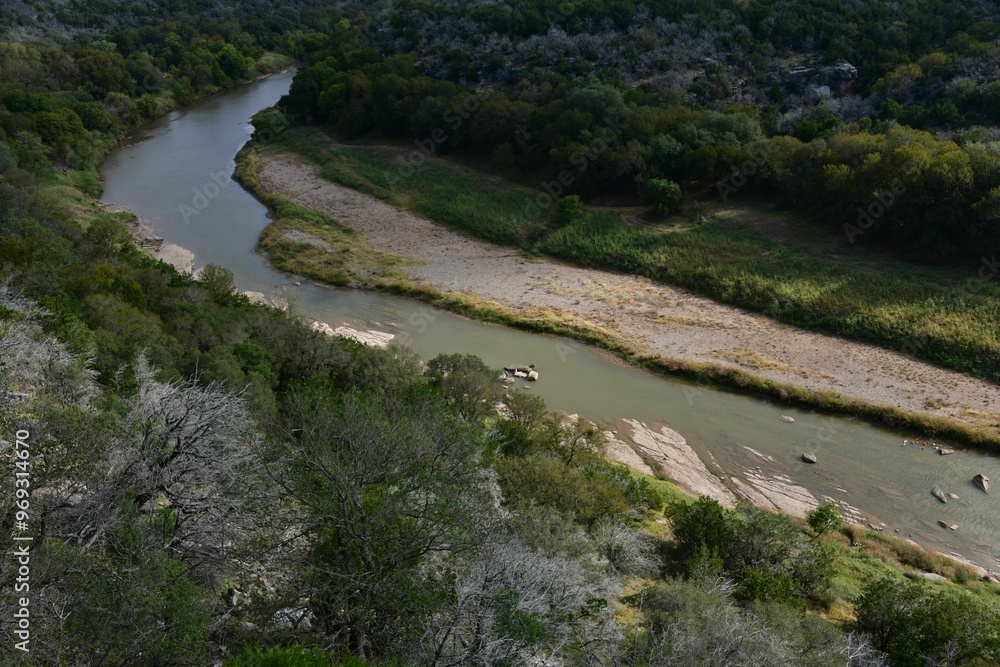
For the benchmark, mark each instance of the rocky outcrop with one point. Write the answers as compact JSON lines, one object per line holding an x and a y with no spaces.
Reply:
{"x":667,"y":449}
{"x":369,"y":337}
{"x":616,"y":450}
{"x":775,"y":492}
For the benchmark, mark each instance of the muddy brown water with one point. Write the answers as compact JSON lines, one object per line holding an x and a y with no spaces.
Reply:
{"x":176,"y":171}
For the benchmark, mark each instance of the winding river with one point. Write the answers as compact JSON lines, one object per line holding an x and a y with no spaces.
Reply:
{"x":175,"y":173}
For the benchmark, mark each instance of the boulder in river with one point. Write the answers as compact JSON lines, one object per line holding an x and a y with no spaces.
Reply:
{"x":944,"y":451}
{"x":939,"y":494}
{"x":949,"y":526}
{"x":982,"y":481}
{"x":808,"y":457}
{"x":519,"y":368}
{"x":532,"y":375}
{"x":786,"y":418}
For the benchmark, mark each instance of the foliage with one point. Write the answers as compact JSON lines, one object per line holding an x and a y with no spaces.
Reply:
{"x":913,"y":625}
{"x":764,"y":553}
{"x":662,"y":195}
{"x":469,"y":385}
{"x":190,"y":442}
{"x":824,"y":518}
{"x":568,"y":211}
{"x":942,"y":314}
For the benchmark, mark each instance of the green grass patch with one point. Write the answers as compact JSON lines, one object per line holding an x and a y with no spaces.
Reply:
{"x":271,"y":61}
{"x":312,"y":244}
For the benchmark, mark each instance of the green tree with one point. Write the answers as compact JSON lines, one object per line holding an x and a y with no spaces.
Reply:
{"x":886,"y":610}
{"x":217,"y":278}
{"x":232,"y":62}
{"x":702,"y":524}
{"x":568,"y":210}
{"x":385,"y":482}
{"x":469,"y":385}
{"x":824,"y":518}
{"x":662,"y":195}
{"x":8,"y":158}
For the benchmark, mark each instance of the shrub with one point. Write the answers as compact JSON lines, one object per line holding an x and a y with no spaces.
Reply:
{"x":568,"y":210}
{"x":662,"y":195}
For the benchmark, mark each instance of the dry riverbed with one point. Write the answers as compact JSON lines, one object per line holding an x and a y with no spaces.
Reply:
{"x":649,"y":318}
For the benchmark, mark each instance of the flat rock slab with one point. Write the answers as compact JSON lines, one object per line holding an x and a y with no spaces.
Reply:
{"x":369,"y":337}
{"x":775,"y":492}
{"x":616,"y":450}
{"x":668,"y":449}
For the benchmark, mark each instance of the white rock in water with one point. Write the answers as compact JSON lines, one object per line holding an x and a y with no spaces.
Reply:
{"x":786,"y":418}
{"x":256,"y":297}
{"x":533,"y":375}
{"x":373,"y":338}
{"x":323,"y":327}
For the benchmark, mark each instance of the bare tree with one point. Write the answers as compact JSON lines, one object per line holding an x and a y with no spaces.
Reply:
{"x":31,"y":361}
{"x":626,"y":550}
{"x":184,"y":458}
{"x":512,"y":604}
{"x":860,"y":652}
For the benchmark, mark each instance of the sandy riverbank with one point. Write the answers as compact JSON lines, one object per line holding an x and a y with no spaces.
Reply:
{"x":650,"y":318}
{"x":180,"y":258}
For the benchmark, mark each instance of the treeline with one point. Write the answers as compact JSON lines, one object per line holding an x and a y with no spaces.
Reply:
{"x":86,"y":19}
{"x":64,"y":104}
{"x":935,"y":58}
{"x":874,"y":179}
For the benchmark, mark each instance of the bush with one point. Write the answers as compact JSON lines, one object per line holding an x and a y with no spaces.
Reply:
{"x":824,"y":518}
{"x":547,"y":480}
{"x":663,"y":196}
{"x":568,"y":210}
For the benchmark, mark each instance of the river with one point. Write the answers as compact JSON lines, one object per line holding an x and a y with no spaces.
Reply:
{"x":175,"y":173}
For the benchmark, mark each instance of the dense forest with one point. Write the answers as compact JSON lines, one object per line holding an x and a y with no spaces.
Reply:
{"x":212,"y":481}
{"x":830,"y":152}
